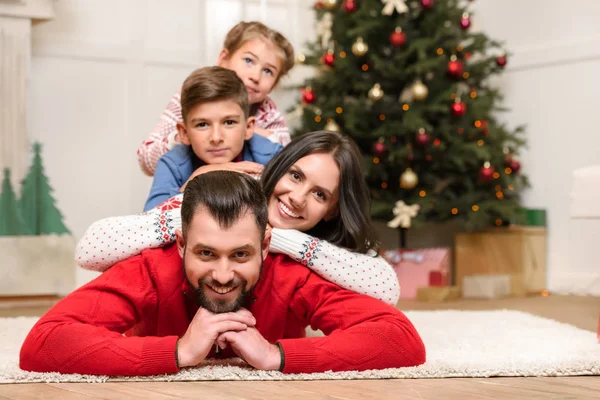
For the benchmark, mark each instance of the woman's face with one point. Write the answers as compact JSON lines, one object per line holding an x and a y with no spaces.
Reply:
{"x":306,"y":193}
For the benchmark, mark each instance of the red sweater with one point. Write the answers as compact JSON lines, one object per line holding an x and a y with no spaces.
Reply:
{"x":146,"y":295}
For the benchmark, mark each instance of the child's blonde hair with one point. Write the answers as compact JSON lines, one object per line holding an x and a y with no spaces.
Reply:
{"x":245,"y":31}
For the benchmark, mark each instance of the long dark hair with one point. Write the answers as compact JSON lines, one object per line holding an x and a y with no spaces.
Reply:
{"x":352,"y":228}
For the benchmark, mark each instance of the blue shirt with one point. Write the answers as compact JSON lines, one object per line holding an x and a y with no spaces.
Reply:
{"x":175,"y":167}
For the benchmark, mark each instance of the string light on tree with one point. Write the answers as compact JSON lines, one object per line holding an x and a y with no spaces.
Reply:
{"x":419,"y":90}
{"x":308,"y":96}
{"x":486,"y":173}
{"x":465,"y":21}
{"x":329,"y":4}
{"x":455,"y":67}
{"x":300,"y":58}
{"x":408,"y":179}
{"x":360,"y":48}
{"x":350,"y":6}
{"x":398,"y":38}
{"x":458,"y":108}
{"x":376,"y":93}
{"x":422,"y":138}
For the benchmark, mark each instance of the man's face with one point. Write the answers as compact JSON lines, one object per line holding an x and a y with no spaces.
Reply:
{"x":222,"y":265}
{"x":216,"y":131}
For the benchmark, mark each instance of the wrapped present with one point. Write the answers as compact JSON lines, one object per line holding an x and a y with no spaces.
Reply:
{"x":418,"y":268}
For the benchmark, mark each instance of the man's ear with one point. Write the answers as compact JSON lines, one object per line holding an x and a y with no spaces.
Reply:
{"x":183,"y":136}
{"x":249,"y":127}
{"x":266,"y":243}
{"x":223,"y":57}
{"x":180,"y":242}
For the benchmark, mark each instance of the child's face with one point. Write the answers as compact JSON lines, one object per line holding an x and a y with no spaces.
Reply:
{"x":216,"y":131}
{"x":257,"y":65}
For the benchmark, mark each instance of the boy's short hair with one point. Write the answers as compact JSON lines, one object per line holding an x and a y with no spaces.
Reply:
{"x":210,"y":84}
{"x":245,"y":31}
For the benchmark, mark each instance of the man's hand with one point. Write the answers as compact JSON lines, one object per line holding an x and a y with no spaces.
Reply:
{"x":204,"y":330}
{"x":246,"y":167}
{"x":251,"y":346}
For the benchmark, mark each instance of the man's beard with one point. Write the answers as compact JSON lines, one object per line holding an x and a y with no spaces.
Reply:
{"x":219,"y":306}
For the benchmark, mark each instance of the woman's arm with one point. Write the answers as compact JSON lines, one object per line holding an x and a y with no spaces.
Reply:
{"x":362,"y":273}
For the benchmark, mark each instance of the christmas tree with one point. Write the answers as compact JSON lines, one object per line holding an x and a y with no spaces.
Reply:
{"x":11,"y":223}
{"x":409,"y":82}
{"x":37,"y":205}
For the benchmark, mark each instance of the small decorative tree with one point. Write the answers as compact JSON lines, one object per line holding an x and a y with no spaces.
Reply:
{"x":37,"y":205}
{"x":11,"y":223}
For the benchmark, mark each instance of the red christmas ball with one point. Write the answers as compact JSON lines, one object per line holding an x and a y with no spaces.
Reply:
{"x":455,"y":68}
{"x":465,"y":22}
{"x":422,"y":139}
{"x":397,"y":38}
{"x":426,"y":3}
{"x":328,"y":59}
{"x":319,"y":5}
{"x":350,"y":6}
{"x":379,"y":148}
{"x":308,"y":96}
{"x":512,"y":163}
{"x":486,"y":173}
{"x":501,"y":61}
{"x":458,"y":108}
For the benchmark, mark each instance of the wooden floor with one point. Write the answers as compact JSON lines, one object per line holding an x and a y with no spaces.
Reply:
{"x":579,"y":311}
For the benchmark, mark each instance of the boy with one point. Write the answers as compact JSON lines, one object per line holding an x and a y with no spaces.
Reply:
{"x":216,"y":132}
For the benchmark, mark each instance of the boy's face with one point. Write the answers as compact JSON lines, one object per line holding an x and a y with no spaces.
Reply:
{"x":257,"y":64}
{"x":216,"y":131}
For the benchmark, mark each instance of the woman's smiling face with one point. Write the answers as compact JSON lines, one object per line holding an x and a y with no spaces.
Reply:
{"x":306,"y":193}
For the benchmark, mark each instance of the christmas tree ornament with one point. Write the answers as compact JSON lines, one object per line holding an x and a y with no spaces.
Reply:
{"x":308,"y":95}
{"x":328,"y":58}
{"x":422,"y":138}
{"x":332,"y":126}
{"x":397,"y":38}
{"x":300,"y":58}
{"x":329,"y":4}
{"x":419,"y":90}
{"x":455,"y":67}
{"x":486,"y":173}
{"x":403,"y":213}
{"x":458,"y":108}
{"x":376,"y":93}
{"x":512,"y":163}
{"x":390,"y":5}
{"x":323,"y":29}
{"x":465,"y":21}
{"x":427,"y":4}
{"x":319,"y":5}
{"x":408,"y":179}
{"x":379,"y":147}
{"x":359,"y":48}
{"x":501,"y":60}
{"x":350,"y":6}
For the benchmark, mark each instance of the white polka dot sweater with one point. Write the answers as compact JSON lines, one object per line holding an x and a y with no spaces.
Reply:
{"x":111,"y":240}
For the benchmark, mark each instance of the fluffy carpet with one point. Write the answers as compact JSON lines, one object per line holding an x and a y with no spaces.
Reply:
{"x":459,"y":344}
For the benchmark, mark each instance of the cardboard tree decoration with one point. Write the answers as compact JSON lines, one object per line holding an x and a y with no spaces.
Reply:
{"x":37,"y":206}
{"x":11,"y":223}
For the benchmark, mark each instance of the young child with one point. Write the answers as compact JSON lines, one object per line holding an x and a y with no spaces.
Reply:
{"x":261,"y":57}
{"x":216,"y":129}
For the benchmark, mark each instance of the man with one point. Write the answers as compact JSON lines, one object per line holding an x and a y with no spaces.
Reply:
{"x":167,"y":308}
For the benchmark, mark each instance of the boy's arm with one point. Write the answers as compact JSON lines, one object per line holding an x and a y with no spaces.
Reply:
{"x":162,"y":137}
{"x":262,"y":149}
{"x":83,"y":333}
{"x":360,"y":273}
{"x":166,"y":183}
{"x":362,"y":333}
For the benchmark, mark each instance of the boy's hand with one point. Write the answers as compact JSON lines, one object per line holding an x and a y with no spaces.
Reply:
{"x":253,"y":348}
{"x":262,"y":132}
{"x":203,"y":331}
{"x":246,"y":167}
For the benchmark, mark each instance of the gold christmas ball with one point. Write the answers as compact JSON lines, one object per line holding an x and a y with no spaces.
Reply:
{"x":300,"y":58}
{"x":332,"y":126}
{"x":329,"y":4}
{"x":419,"y":90}
{"x":359,"y":48}
{"x":376,"y":93}
{"x":408,"y":179}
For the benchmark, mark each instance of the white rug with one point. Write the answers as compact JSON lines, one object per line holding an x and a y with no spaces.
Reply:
{"x":459,"y":344}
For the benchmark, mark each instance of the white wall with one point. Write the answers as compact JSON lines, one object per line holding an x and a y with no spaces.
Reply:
{"x":552,"y":84}
{"x":101,"y":73}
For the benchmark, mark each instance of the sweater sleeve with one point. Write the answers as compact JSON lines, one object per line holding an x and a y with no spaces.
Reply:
{"x":361,"y":273}
{"x":161,"y":138}
{"x":362,"y":333}
{"x":83,"y":333}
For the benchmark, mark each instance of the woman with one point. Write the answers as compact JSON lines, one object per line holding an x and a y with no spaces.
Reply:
{"x":318,"y":208}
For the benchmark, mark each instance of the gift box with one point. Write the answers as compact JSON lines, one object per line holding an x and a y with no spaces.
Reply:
{"x":418,"y":268}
